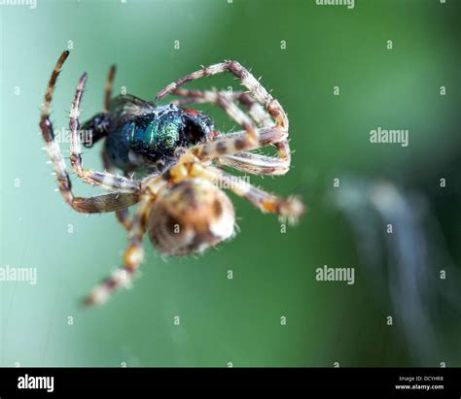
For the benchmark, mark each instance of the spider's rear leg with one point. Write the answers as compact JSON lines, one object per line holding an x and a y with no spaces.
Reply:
{"x":132,"y":258}
{"x":134,"y":253}
{"x":256,"y":90}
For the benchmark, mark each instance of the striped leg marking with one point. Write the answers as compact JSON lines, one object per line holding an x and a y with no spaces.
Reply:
{"x":246,"y":79}
{"x":132,"y":258}
{"x":103,"y":179}
{"x":104,"y":203}
{"x":246,"y":161}
{"x":123,"y":215}
{"x":289,"y":209}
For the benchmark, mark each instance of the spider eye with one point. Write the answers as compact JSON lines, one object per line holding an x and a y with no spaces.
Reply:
{"x":190,"y":217}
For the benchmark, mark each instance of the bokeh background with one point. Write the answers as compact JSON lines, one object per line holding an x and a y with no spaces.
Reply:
{"x":302,"y":51}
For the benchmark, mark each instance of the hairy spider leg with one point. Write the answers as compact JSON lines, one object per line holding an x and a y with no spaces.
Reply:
{"x":246,"y":79}
{"x":244,"y":161}
{"x":133,"y":256}
{"x":288,"y":209}
{"x":101,"y":203}
{"x":134,"y":253}
{"x":103,"y":179}
{"x":256,"y":90}
{"x":108,"y":87}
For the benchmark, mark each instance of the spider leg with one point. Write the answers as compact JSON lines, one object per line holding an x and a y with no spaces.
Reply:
{"x":256,"y":110}
{"x":250,"y":163}
{"x":134,"y":253}
{"x":103,"y":203}
{"x":103,"y":179}
{"x":246,"y":79}
{"x":256,"y":164}
{"x":224,"y":144}
{"x":123,"y":215}
{"x":108,"y":87}
{"x":229,"y":106}
{"x":245,"y":161}
{"x":267,"y":135}
{"x":132,"y":258}
{"x":290,"y":209}
{"x":256,"y":90}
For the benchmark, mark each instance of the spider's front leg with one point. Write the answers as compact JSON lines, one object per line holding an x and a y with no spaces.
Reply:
{"x":246,"y":79}
{"x":105,"y":180}
{"x":288,"y":209}
{"x":260,"y":94}
{"x":244,"y":161}
{"x":102,"y":203}
{"x":256,"y":110}
{"x":250,"y":141}
{"x":257,"y":92}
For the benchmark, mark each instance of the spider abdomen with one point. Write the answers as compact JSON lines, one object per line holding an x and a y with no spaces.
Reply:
{"x":189,"y":217}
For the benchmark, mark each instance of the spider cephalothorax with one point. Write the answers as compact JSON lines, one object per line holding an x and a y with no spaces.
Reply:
{"x":179,"y":155}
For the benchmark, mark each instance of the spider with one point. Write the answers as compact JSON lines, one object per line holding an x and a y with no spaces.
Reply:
{"x":180,"y":157}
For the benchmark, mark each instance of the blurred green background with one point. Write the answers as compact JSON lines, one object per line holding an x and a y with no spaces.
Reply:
{"x":238,"y":321}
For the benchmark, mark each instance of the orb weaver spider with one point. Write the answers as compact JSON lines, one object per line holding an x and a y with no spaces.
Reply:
{"x":180,"y":203}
